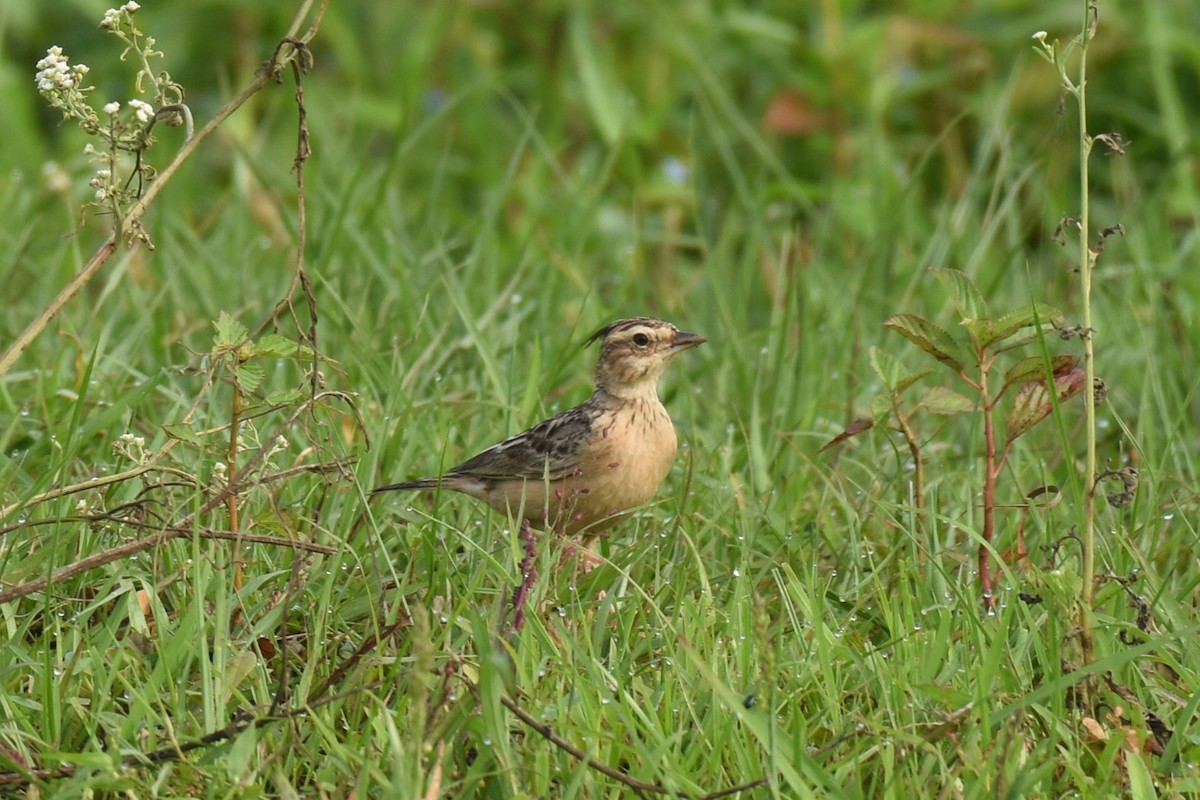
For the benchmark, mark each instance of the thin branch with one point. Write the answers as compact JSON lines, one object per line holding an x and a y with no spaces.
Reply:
{"x":267,"y":73}
{"x":98,"y":483}
{"x":257,"y":538}
{"x":183,"y":527}
{"x":633,"y":783}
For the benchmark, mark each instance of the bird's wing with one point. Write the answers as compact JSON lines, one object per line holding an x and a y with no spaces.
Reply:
{"x":549,"y":450}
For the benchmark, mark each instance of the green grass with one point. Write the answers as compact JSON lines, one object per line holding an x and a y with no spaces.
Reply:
{"x":489,"y":185}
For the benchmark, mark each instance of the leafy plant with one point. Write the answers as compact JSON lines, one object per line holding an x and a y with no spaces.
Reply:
{"x":1076,"y":50}
{"x":122,"y":134}
{"x":241,"y":361}
{"x":1036,"y":383}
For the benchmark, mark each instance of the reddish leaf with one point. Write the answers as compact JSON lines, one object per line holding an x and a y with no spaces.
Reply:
{"x":856,"y":427}
{"x":1033,"y":402}
{"x":791,"y":113}
{"x":1034,"y":369}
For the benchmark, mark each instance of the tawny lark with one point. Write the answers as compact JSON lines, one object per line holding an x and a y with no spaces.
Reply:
{"x":580,"y":471}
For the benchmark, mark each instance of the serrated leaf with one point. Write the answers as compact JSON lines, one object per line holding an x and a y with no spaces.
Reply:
{"x":946,"y":402}
{"x":881,"y":406}
{"x":275,"y":346}
{"x":183,"y":433}
{"x":1033,"y":403}
{"x":1027,"y":317}
{"x":284,"y":397}
{"x":965,"y":294}
{"x":928,"y":336}
{"x":249,"y":376}
{"x":981,"y":331}
{"x":886,"y":366}
{"x":1027,"y":409}
{"x":892,"y":372}
{"x":909,"y":379}
{"x":856,"y":427}
{"x":1034,"y":369}
{"x":1015,"y":343}
{"x":230,"y":332}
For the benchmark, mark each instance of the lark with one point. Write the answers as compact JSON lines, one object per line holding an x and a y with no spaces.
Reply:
{"x":582,"y":471}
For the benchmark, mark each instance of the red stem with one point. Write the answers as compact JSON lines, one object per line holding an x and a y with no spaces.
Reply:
{"x":991,"y":471}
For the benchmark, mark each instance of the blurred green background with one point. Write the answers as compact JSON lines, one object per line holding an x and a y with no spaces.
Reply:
{"x":700,"y":160}
{"x":492,"y":181}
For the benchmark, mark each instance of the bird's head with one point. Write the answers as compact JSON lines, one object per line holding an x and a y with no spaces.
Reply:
{"x":635,"y":352}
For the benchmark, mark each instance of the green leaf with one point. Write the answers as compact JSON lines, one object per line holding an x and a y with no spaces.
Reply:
{"x":881,"y":406}
{"x":886,"y":366}
{"x":1141,"y":785}
{"x":946,"y":402}
{"x":893,"y":372}
{"x":284,"y":397}
{"x":1038,"y":314}
{"x":249,"y":376}
{"x":1034,"y":369}
{"x":240,"y":754}
{"x":183,"y":433}
{"x":761,"y":26}
{"x":1033,"y":402}
{"x":602,"y":94}
{"x":230,"y":332}
{"x":909,"y":379}
{"x":981,"y":331}
{"x":1059,"y":588}
{"x":929,"y":337}
{"x":1015,"y":343}
{"x":966,"y":295}
{"x":276,"y":346}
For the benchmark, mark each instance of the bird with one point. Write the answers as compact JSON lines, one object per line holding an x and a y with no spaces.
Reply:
{"x":582,"y":471}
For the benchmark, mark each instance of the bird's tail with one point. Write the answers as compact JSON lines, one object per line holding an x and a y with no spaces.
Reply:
{"x":423,"y":483}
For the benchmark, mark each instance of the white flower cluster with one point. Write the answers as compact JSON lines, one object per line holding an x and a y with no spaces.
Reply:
{"x":142,"y":110}
{"x":132,"y":447}
{"x":112,"y":17}
{"x":101,"y":183}
{"x":57,"y":75}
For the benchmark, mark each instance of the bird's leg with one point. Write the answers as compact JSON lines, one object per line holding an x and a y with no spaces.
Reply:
{"x":585,"y":555}
{"x":528,"y":576}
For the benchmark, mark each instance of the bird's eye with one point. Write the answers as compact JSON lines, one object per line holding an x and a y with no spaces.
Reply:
{"x":641,"y":339}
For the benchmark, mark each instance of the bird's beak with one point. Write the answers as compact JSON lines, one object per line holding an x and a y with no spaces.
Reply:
{"x":684,"y":340}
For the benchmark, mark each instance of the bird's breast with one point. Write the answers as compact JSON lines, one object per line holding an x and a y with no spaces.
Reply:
{"x":633,"y":447}
{"x":623,"y":460}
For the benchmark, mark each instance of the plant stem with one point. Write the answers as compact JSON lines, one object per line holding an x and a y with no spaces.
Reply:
{"x":989,"y":489}
{"x":914,"y":450}
{"x":133,"y":216}
{"x":235,"y":424}
{"x":1086,"y":263}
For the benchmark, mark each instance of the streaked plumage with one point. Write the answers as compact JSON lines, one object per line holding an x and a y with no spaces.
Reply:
{"x":579,"y":471}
